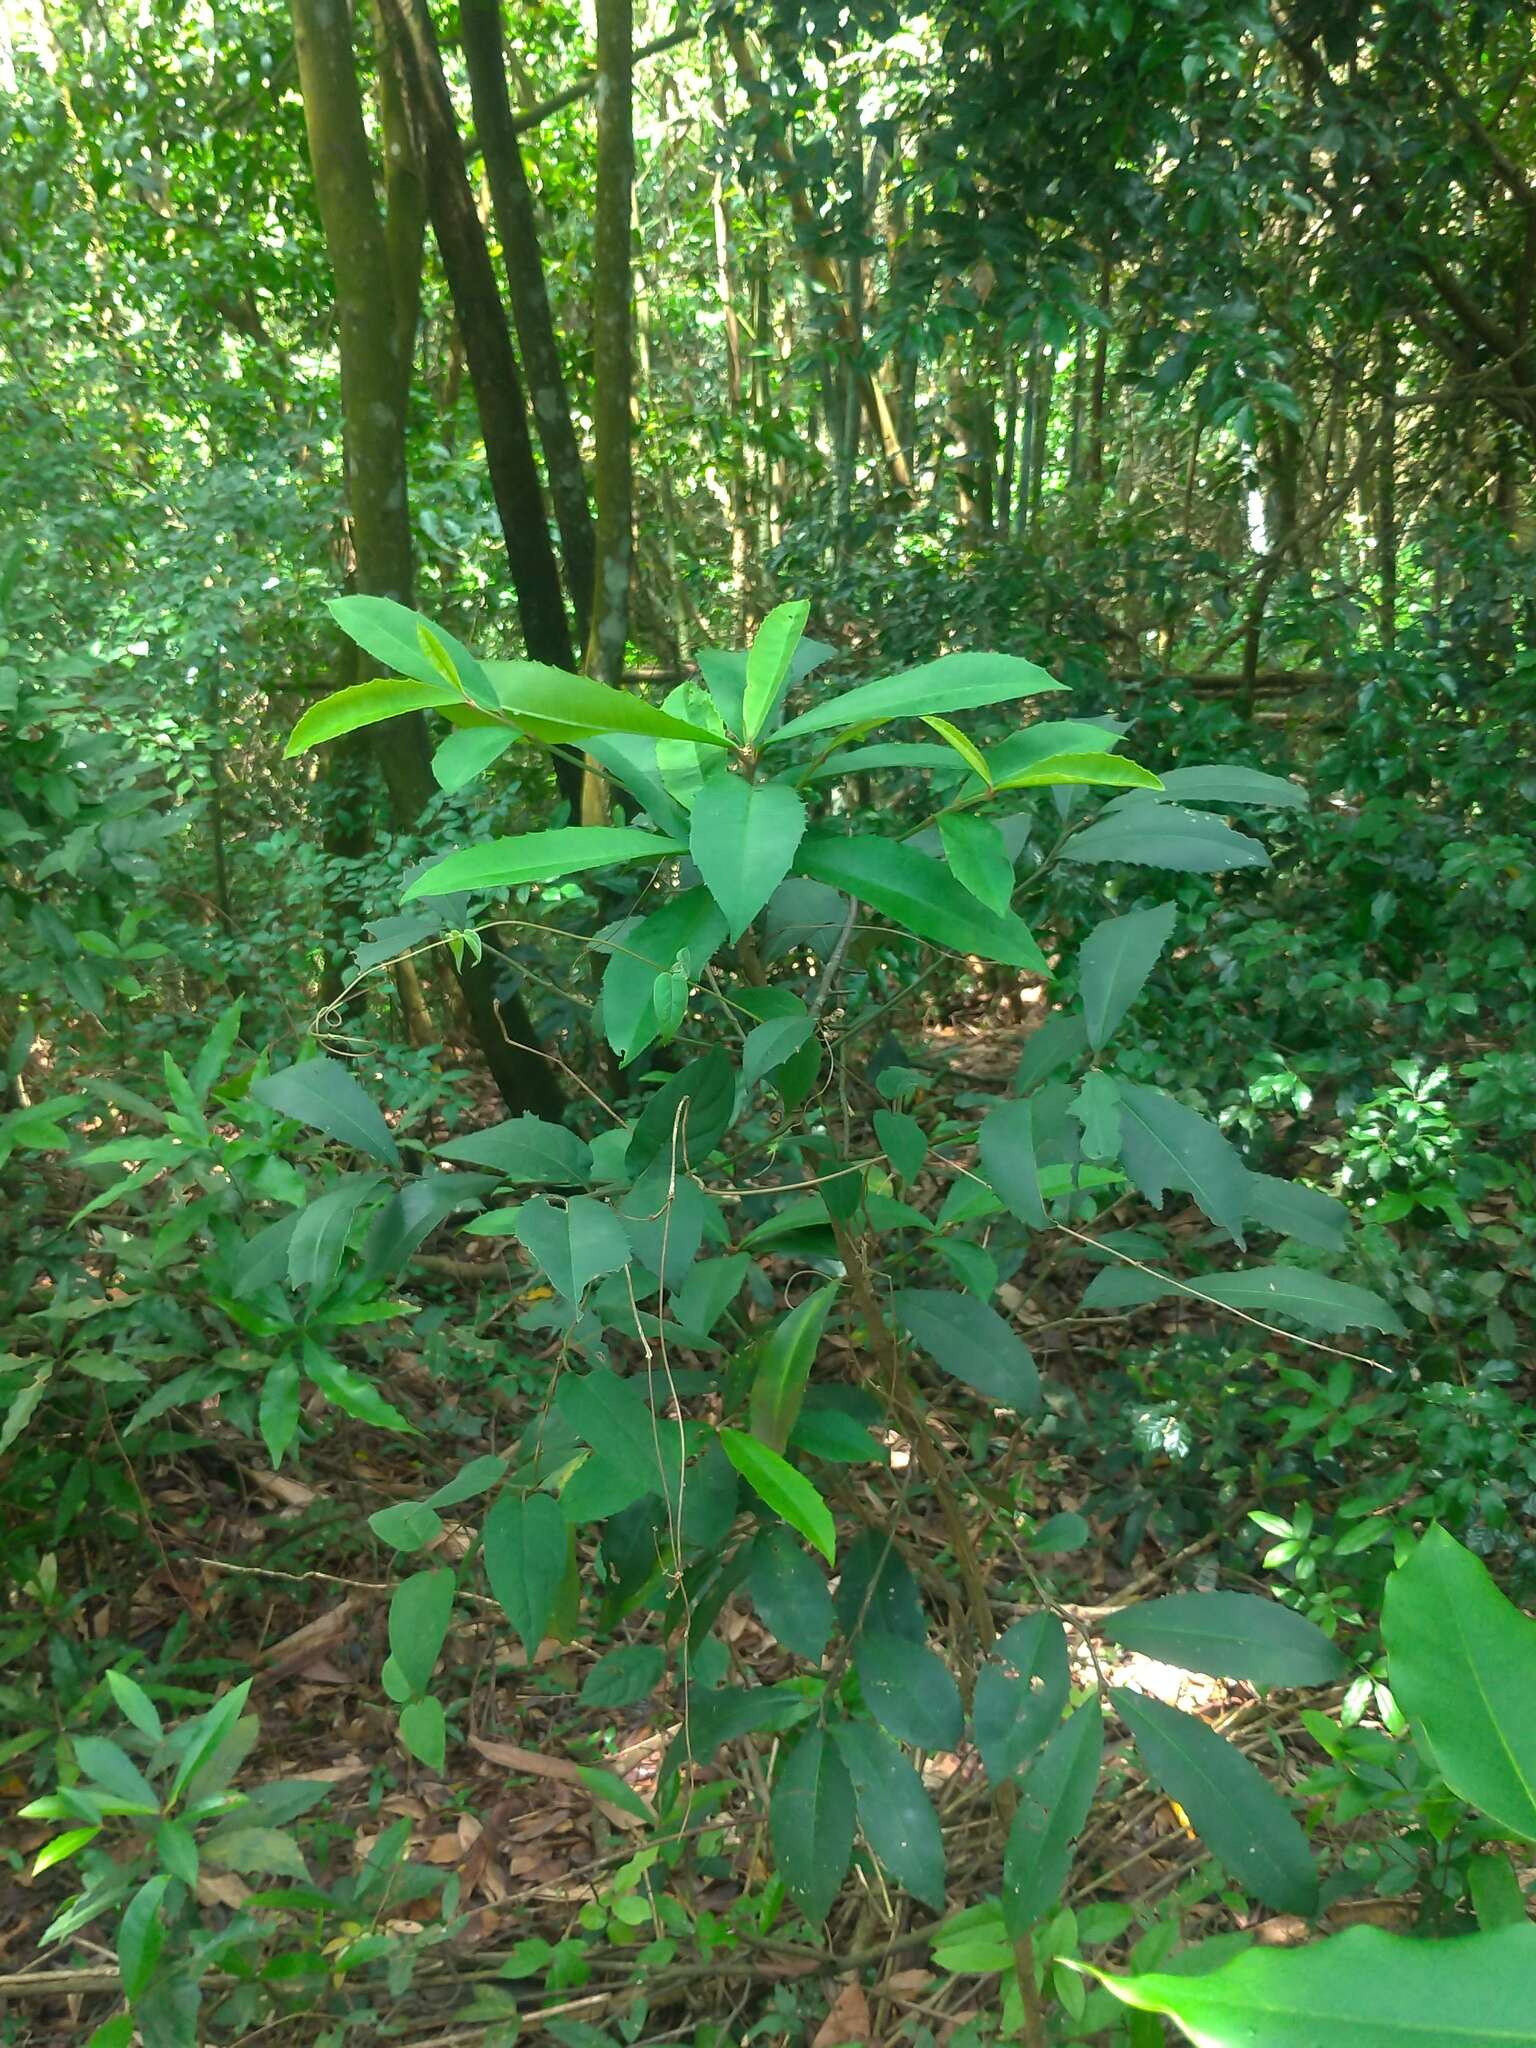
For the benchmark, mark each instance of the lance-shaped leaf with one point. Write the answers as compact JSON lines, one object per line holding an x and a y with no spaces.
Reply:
{"x":784,"y":1361}
{"x":1054,"y":1799}
{"x":1021,"y":1690}
{"x":559,"y":707}
{"x":978,"y":859}
{"x":323,"y":1094}
{"x":527,"y":1551}
{"x":1236,"y":787}
{"x":920,"y":895}
{"x":788,"y":1492}
{"x":1164,"y":1145}
{"x":896,"y":1815}
{"x":768,"y":665}
{"x":1153,"y":833}
{"x":539,"y":857}
{"x":810,"y":1819}
{"x":368,"y":703}
{"x":1229,"y":1635}
{"x":1233,"y":1808}
{"x":955,"y":682}
{"x":970,"y":1340}
{"x":1009,"y":1160}
{"x":1106,"y":770}
{"x":1113,"y":965}
{"x":526,"y":1148}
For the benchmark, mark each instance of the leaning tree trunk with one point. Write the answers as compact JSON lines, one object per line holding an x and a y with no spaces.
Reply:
{"x":374,"y":380}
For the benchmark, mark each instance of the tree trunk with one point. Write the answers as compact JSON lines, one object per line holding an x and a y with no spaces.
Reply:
{"x":1043,"y":376}
{"x":373,"y":386}
{"x":1100,"y":381}
{"x":517,"y":228}
{"x":612,"y":323}
{"x":1386,"y":491}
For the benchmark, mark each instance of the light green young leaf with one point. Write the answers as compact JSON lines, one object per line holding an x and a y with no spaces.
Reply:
{"x":978,"y":859}
{"x":1114,"y":962}
{"x":562,"y":708}
{"x":955,"y":682}
{"x":920,"y":895}
{"x":788,"y":1492}
{"x":1106,"y":770}
{"x":1236,"y":1812}
{"x":955,"y":739}
{"x":539,"y":857}
{"x":135,"y":1704}
{"x":810,"y":1819}
{"x":364,"y":704}
{"x":213,"y":1056}
{"x":467,"y":753}
{"x":1462,"y":1661}
{"x":1360,"y":1989}
{"x":784,"y":1361}
{"x":527,"y":1551}
{"x":768,"y":663}
{"x":743,"y":840}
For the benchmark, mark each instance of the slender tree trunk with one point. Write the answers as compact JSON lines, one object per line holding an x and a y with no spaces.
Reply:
{"x":517,"y":228}
{"x":1100,"y":382}
{"x":1005,"y":482}
{"x":1045,"y":372}
{"x":725,"y":287}
{"x":373,"y":386}
{"x":1079,"y":395}
{"x":1386,"y":491}
{"x":461,"y":242}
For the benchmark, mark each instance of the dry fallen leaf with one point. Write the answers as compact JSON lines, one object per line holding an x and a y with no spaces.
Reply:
{"x":848,"y":2021}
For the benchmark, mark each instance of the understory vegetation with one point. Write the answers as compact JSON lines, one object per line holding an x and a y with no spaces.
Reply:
{"x":768,"y":1024}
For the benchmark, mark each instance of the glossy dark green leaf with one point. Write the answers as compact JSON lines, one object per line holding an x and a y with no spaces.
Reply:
{"x":784,"y":1360}
{"x":625,"y":1676}
{"x":1229,"y":1635}
{"x":322,"y":1227}
{"x":1233,"y":1808}
{"x":687,"y":1116}
{"x":895,"y":1814}
{"x":977,"y":855}
{"x":876,"y":1590}
{"x":1021,"y":1690}
{"x":811,"y":1820}
{"x":1054,"y":1800}
{"x":918,"y":894}
{"x":790,"y":1594}
{"x":909,"y":1690}
{"x":971,"y":1341}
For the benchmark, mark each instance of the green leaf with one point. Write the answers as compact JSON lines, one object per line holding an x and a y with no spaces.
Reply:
{"x":355,"y":1395}
{"x":574,"y":1243}
{"x":1106,"y":770}
{"x":141,"y":1936}
{"x":1236,"y":1812}
{"x":401,"y":639}
{"x":810,"y":1819}
{"x":560,"y":707}
{"x":743,"y":839}
{"x":1462,"y":1662}
{"x":1021,"y":1690}
{"x":539,"y":857}
{"x":903,"y":1141}
{"x":768,"y":663}
{"x":770,"y":1044}
{"x":324,"y":1095}
{"x":406,"y":1525}
{"x":526,"y":1148}
{"x":1229,"y":1635}
{"x":615,"y":1418}
{"x":214,"y":1054}
{"x":1164,"y":1145}
{"x":527,"y":1553}
{"x":366,"y":704}
{"x":952,"y":737}
{"x":889,"y":754}
{"x":1113,"y":965}
{"x":1296,"y":1295}
{"x":909,"y":1690}
{"x":1234,"y":786}
{"x":687,"y":1117}
{"x":1361,"y":1989}
{"x":1059,"y":1042}
{"x":117,"y":2032}
{"x":955,"y":682}
{"x":1096,"y":1106}
{"x":790,"y":1594}
{"x":176,"y":1848}
{"x":467,"y":753}
{"x":1498,"y":1898}
{"x":1296,"y":1210}
{"x":62,"y":1847}
{"x":624,"y":1677}
{"x":277,"y":1414}
{"x":1008,"y":1159}
{"x":689,"y":926}
{"x":978,"y":859}
{"x":135,"y":1704}
{"x":424,"y":1731}
{"x":895,"y":1814}
{"x":110,"y":1767}
{"x":920,"y":895}
{"x":784,"y":1360}
{"x":321,"y":1230}
{"x":1054,"y":1798}
{"x":787,"y":1492}
{"x":971,"y":1340}
{"x":420,"y":1610}
{"x":1153,"y":834}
